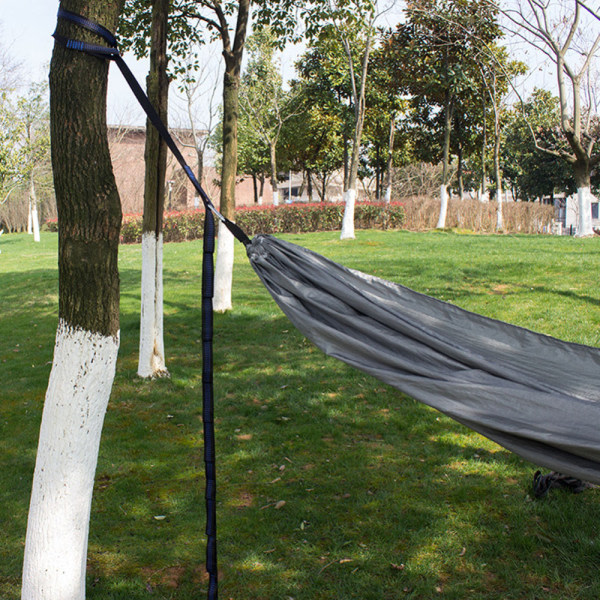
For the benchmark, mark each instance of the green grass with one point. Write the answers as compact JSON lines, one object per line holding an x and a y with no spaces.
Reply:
{"x":384,"y":497}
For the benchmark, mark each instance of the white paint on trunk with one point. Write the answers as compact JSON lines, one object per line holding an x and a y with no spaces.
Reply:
{"x":348,"y":220}
{"x":499,"y":220}
{"x":36,"y":223}
{"x":388,"y":194}
{"x":260,"y":200}
{"x":29,"y":225}
{"x":224,"y":270}
{"x":584,"y":208}
{"x":443,"y":207}
{"x":80,"y":382}
{"x":275,"y":197}
{"x":151,"y":361}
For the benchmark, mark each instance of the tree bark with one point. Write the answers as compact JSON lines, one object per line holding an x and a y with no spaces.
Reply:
{"x":274,"y":182}
{"x":233,"y":55}
{"x":448,"y":111}
{"x":390,"y":160}
{"x":87,"y":338}
{"x":151,"y":361}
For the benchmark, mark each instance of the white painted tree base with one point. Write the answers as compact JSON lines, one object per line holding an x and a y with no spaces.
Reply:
{"x":151,"y":360}
{"x":441,"y":224}
{"x":80,"y":382}
{"x":35,"y":222}
{"x":584,"y":212}
{"x":348,"y":220}
{"x":224,"y":270}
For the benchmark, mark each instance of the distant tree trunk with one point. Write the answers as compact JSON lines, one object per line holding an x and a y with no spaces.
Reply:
{"x":262,"y":189}
{"x":274,"y":182}
{"x":459,"y":175}
{"x":255,"y":187}
{"x":151,"y":361}
{"x":233,"y":54}
{"x":581,"y":170}
{"x":448,"y":111}
{"x":35,"y":221}
{"x":390,"y":160}
{"x":87,"y":337}
{"x":483,"y":193}
{"x":309,"y":185}
{"x":359,"y":95}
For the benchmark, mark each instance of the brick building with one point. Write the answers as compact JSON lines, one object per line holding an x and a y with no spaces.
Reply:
{"x":127,"y":152}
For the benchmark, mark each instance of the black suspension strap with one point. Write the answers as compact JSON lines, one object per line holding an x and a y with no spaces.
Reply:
{"x":112,"y":53}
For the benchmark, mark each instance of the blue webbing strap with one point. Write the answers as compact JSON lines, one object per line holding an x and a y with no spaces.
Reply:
{"x":112,"y":53}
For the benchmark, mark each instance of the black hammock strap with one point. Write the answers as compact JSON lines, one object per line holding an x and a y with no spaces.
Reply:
{"x":112,"y":53}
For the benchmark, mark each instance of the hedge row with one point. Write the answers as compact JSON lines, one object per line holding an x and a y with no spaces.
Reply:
{"x":288,"y":218}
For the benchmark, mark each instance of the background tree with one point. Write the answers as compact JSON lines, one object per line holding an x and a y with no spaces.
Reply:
{"x":534,"y":173}
{"x":263,"y":101}
{"x":438,"y":44}
{"x":87,"y":338}
{"x":151,"y":359}
{"x":567,"y":33}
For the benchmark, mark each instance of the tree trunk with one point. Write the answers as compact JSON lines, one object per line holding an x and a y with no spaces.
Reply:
{"x":581,"y":169}
{"x":448,"y":110}
{"x":35,"y":221}
{"x":309,"y":185}
{"x":461,"y":187}
{"x":274,"y":182}
{"x":231,"y":87}
{"x":262,"y":189}
{"x":87,"y":338}
{"x":360,"y":110}
{"x":390,"y":160}
{"x":151,"y":362}
{"x":483,"y":193}
{"x":200,"y":167}
{"x":255,"y":187}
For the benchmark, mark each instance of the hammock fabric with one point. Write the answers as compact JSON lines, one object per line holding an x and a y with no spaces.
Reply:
{"x":533,"y":394}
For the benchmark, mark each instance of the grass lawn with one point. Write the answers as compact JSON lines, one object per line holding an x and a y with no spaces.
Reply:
{"x":331,"y":485}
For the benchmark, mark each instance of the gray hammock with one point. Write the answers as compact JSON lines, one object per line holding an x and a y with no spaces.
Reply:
{"x":533,"y":394}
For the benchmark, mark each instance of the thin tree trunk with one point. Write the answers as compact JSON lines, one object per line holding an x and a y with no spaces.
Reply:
{"x":35,"y":221}
{"x":390,"y":160}
{"x":483,"y":194}
{"x":448,"y":110}
{"x":255,"y":188}
{"x":151,"y":361}
{"x":274,"y":182}
{"x":309,"y":184}
{"x":360,"y":110}
{"x":87,"y":337}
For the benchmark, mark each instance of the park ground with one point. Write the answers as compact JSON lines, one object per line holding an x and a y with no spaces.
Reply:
{"x":331,"y":485}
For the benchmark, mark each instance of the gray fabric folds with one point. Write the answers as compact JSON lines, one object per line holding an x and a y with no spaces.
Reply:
{"x":533,"y":394}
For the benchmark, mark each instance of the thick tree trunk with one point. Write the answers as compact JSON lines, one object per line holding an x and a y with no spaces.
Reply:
{"x":448,"y":110}
{"x":225,"y":244}
{"x":151,"y":361}
{"x":581,"y":169}
{"x":87,"y":337}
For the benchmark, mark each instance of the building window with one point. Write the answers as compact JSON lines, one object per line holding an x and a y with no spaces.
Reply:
{"x":594,"y":210}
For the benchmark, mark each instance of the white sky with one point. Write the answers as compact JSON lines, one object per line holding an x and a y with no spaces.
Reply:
{"x":27,"y":27}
